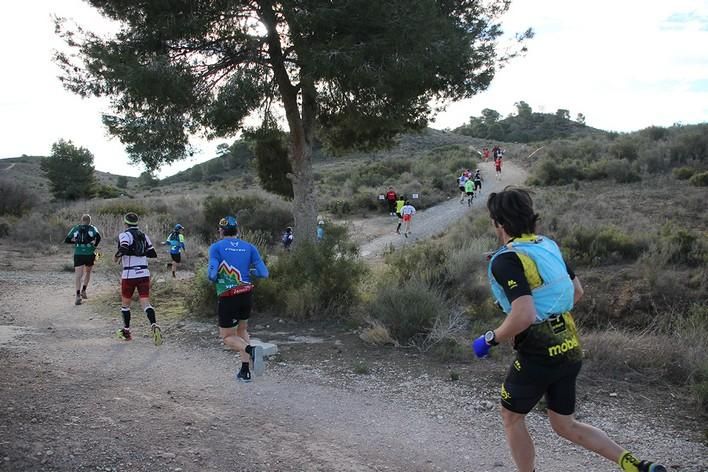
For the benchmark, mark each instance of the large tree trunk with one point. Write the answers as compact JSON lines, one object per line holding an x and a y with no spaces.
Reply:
{"x":301,"y":131}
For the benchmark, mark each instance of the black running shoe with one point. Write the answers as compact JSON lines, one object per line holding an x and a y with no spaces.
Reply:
{"x":243,"y":376}
{"x":646,"y":466}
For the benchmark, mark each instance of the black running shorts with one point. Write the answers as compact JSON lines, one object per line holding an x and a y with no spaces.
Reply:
{"x":176,"y":257}
{"x":84,"y":260}
{"x":233,"y":309}
{"x":527,"y":382}
{"x":477,"y":185}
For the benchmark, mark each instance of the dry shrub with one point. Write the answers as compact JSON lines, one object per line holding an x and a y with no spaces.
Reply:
{"x":377,"y":334}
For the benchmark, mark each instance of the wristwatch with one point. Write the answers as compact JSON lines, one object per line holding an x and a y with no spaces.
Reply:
{"x":490,"y":338}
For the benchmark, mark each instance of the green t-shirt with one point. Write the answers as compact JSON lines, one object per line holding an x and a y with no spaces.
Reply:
{"x":469,"y":186}
{"x":87,"y":238}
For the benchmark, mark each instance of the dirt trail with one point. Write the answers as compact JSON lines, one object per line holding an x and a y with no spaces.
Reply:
{"x":376,"y":235}
{"x":74,"y":399}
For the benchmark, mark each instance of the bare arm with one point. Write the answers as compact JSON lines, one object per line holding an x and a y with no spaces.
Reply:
{"x":523,"y":315}
{"x":578,"y":290}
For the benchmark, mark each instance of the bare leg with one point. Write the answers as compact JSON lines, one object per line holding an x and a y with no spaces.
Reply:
{"x":87,"y":275}
{"x":519,"y":440}
{"x":78,"y":274}
{"x":585,"y":435}
{"x":235,"y":342}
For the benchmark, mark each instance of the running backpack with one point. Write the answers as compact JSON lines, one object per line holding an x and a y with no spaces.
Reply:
{"x":555,"y":295}
{"x":139,"y":246}
{"x":86,"y":235}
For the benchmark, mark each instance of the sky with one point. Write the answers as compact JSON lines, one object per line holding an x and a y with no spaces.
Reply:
{"x":625,"y":65}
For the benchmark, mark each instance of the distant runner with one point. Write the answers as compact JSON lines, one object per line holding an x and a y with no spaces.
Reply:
{"x":461,"y":185}
{"x":134,"y":249}
{"x":407,"y":213}
{"x":85,"y":238}
{"x":176,"y":242}
{"x":400,"y":203}
{"x":469,"y":191}
{"x":231,"y":261}
{"x":287,"y":238}
{"x":498,"y":167}
{"x":477,"y":179}
{"x":391,"y":200}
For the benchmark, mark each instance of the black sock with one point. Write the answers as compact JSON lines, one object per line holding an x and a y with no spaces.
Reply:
{"x":244,"y":367}
{"x":150,"y":312}
{"x":78,"y":292}
{"x":126,"y":317}
{"x":84,"y":288}
{"x":249,"y":349}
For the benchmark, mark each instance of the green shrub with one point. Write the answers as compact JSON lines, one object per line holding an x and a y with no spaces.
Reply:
{"x":121,"y":207}
{"x":201,"y":299}
{"x":681,"y":246}
{"x":107,"y":191}
{"x":699,"y":179}
{"x":621,"y":171}
{"x":269,"y":216}
{"x":314,"y":280}
{"x":601,"y":246}
{"x":683,"y":173}
{"x":16,"y":199}
{"x":409,"y":310}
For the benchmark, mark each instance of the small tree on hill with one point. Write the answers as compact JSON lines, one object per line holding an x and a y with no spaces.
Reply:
{"x":70,"y":171}
{"x":122,"y":181}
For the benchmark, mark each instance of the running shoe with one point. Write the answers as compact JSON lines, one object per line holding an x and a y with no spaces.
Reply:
{"x":156,"y":334}
{"x":646,"y":466}
{"x":124,"y":334}
{"x":243,"y":376}
{"x":78,"y":300}
{"x":83,"y":294}
{"x":257,"y":365}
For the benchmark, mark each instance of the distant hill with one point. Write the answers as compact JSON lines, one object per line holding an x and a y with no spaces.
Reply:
{"x":527,"y":128}
{"x":27,"y":171}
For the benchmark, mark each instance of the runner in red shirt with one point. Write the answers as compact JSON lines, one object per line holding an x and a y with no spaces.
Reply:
{"x":391,"y":200}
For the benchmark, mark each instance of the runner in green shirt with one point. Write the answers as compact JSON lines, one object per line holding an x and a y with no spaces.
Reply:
{"x":85,"y":238}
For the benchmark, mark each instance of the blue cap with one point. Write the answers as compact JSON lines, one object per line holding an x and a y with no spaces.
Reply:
{"x":228,"y":222}
{"x":178,"y":226}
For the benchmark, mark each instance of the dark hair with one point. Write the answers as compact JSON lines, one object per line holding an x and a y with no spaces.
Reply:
{"x":513,"y":210}
{"x":229,"y":231}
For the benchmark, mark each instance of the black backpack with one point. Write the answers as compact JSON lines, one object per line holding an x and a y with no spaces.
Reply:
{"x":139,"y":246}
{"x":84,"y":237}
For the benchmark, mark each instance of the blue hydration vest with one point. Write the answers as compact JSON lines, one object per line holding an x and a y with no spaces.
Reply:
{"x":555,"y":295}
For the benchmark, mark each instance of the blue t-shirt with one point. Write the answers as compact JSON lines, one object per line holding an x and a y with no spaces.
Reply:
{"x":230,"y":263}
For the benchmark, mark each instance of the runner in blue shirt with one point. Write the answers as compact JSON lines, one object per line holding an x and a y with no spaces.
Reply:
{"x":231,"y":262}
{"x":176,"y":242}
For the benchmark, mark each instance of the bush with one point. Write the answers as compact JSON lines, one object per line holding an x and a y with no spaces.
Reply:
{"x":621,"y":171}
{"x":314,"y":280}
{"x":121,"y":207}
{"x":601,"y":246}
{"x":681,"y":246}
{"x":683,"y":173}
{"x":16,"y":199}
{"x":39,"y":230}
{"x":409,"y":311}
{"x":699,"y":179}
{"x":107,"y":191}
{"x":269,"y":216}
{"x":201,"y":299}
